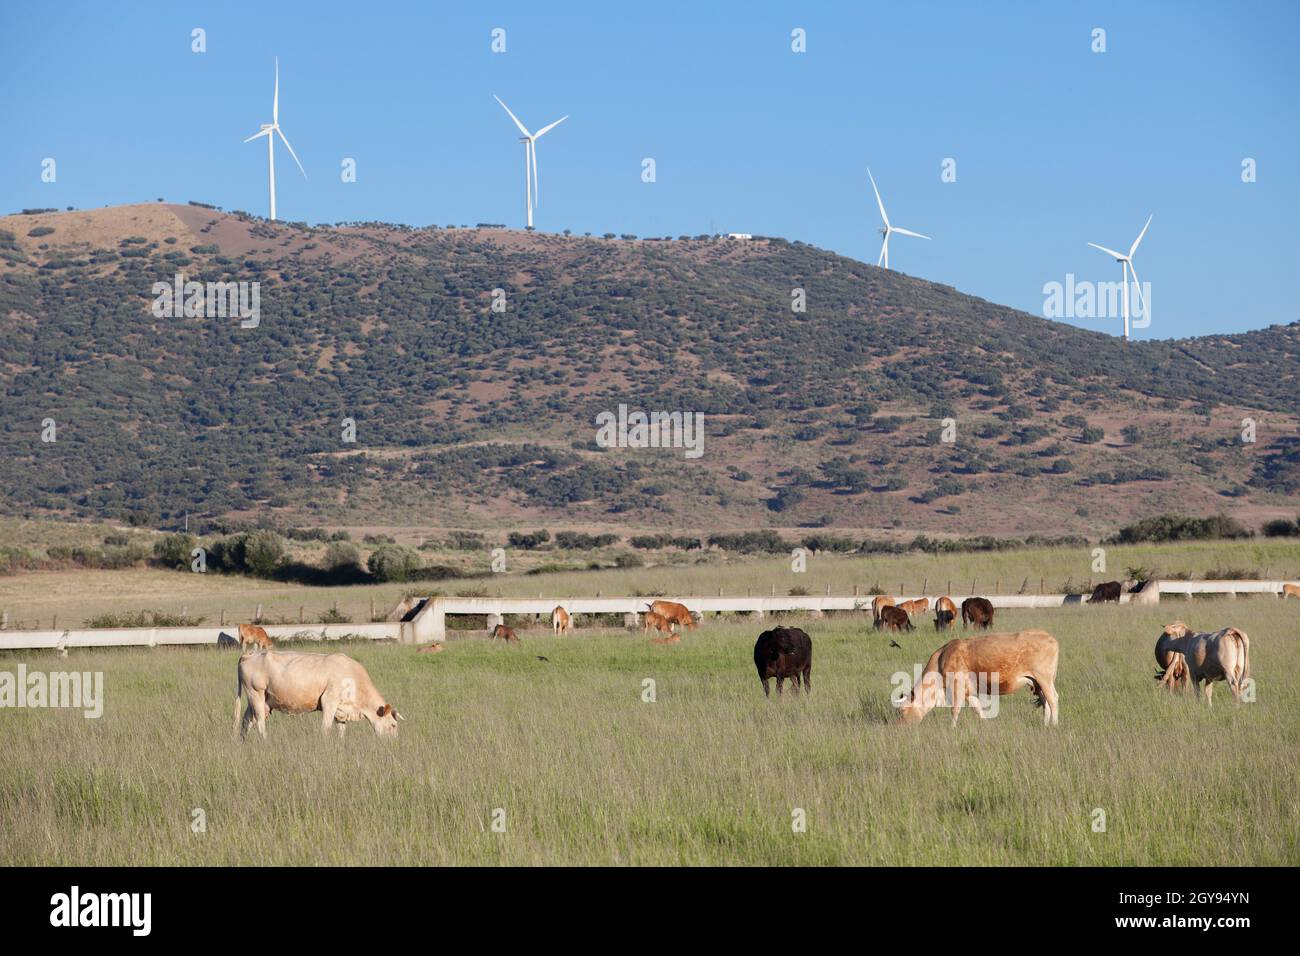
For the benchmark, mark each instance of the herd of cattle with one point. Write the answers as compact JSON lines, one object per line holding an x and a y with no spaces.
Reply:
{"x":957,"y":673}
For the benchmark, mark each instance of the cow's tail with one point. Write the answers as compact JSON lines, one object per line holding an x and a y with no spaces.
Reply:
{"x":239,"y":689}
{"x":1036,"y":690}
{"x":1243,"y":660}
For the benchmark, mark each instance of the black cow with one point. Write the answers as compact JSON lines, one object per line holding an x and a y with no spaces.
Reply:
{"x":894,"y":619}
{"x":943,"y":620}
{"x":784,"y":652}
{"x":977,"y":611}
{"x":1109,"y":591}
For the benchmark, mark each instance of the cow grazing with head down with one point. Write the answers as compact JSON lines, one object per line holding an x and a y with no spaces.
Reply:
{"x":977,"y":611}
{"x":879,"y":602}
{"x":1107,"y":591}
{"x":945,"y":604}
{"x":334,"y":684}
{"x":1222,"y":655}
{"x":894,"y":619}
{"x":784,"y":652}
{"x":943,"y":619}
{"x":658,"y":622}
{"x":918,"y":606}
{"x":561,"y":623}
{"x":252,"y":635}
{"x":677,"y":613}
{"x":506,"y":634}
{"x":1002,"y":662}
{"x":1290,"y":590}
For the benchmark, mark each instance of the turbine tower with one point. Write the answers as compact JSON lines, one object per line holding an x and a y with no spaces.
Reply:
{"x":1126,"y":266}
{"x":887,"y":230}
{"x":530,"y":157}
{"x":269,"y":130}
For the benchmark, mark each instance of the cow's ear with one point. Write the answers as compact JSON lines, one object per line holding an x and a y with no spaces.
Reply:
{"x":383,"y":709}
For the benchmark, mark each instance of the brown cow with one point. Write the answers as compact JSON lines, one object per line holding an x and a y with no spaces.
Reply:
{"x":561,"y":623}
{"x":252,"y":634}
{"x":945,"y":604}
{"x":943,"y":619}
{"x":658,"y":622}
{"x":1024,"y":659}
{"x":977,"y":611}
{"x":784,"y":652}
{"x":879,"y":602}
{"x":918,"y":606}
{"x":894,"y":619}
{"x":1107,"y":591}
{"x":434,"y":648}
{"x":507,"y":634}
{"x":677,"y":613}
{"x":675,"y":639}
{"x":1290,"y":590}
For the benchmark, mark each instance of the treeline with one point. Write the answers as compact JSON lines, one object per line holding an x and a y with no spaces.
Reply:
{"x":1179,"y":527}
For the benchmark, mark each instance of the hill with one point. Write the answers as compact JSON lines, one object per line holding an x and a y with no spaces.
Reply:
{"x":469,"y":417}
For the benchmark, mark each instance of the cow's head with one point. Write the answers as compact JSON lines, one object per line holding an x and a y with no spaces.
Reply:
{"x":385,"y":720}
{"x":1176,"y":629}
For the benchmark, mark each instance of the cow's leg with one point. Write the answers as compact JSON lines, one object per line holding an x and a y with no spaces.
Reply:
{"x":1052,"y":707}
{"x":261,"y":710}
{"x":795,"y":682}
{"x":767,"y":691}
{"x":1209,"y":693}
{"x":780,"y":681}
{"x":342,"y":729}
{"x":329,"y":703}
{"x":248,"y":718}
{"x":807,"y":681}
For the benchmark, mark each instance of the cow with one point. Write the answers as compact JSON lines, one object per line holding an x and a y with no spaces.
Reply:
{"x":1024,"y":659}
{"x":506,"y":634}
{"x":677,"y":613}
{"x":560,"y":621}
{"x":294,"y":683}
{"x":977,"y":611}
{"x":919,"y":606}
{"x":252,"y":634}
{"x":943,"y":619}
{"x":945,"y":604}
{"x":1223,"y":655}
{"x":894,"y":619}
{"x":1171,"y":666}
{"x":434,"y":648}
{"x":1108,"y":591}
{"x":657,"y":621}
{"x":675,"y":639}
{"x":1290,"y":590}
{"x":879,"y":602}
{"x":784,"y":652}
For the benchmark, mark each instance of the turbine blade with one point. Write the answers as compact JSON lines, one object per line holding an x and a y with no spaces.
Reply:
{"x":1138,"y":241}
{"x":1137,"y":286}
{"x":532,"y":148}
{"x":522,"y":128}
{"x":291,"y":152}
{"x":1110,"y":252}
{"x":275,"y":103}
{"x":907,"y":232}
{"x":884,"y":251}
{"x":264,"y":132}
{"x":546,"y":129}
{"x":878,"y":201}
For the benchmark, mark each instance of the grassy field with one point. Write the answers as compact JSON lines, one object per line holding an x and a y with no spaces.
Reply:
{"x":587,"y":772}
{"x":38,"y":598}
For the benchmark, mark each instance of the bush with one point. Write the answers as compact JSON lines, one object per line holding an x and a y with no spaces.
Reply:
{"x":340,"y":555}
{"x":393,"y":563}
{"x":1176,"y":527}
{"x":263,"y":552}
{"x":1281,"y":528}
{"x":528,"y":540}
{"x":173,"y":551}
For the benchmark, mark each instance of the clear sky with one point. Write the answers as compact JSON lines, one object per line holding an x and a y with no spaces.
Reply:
{"x":1055,"y":145}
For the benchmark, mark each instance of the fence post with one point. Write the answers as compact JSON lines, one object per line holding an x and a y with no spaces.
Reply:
{"x":54,"y":626}
{"x":300,"y":612}
{"x":372,"y":607}
{"x":223,"y":617}
{"x":4,"y":621}
{"x":258,"y":618}
{"x":925,"y":585}
{"x":949,"y":591}
{"x":972,"y":585}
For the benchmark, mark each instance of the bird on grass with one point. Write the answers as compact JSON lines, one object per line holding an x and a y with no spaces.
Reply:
{"x":541,"y":658}
{"x":893,"y":643}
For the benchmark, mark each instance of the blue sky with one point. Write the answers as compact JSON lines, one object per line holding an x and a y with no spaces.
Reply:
{"x":1055,"y":145}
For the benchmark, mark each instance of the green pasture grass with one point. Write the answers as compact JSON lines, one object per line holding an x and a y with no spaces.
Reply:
{"x":711,"y":772}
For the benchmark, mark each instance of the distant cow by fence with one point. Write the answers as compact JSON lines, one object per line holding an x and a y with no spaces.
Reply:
{"x":1109,"y":591}
{"x":894,"y":619}
{"x":977,"y":611}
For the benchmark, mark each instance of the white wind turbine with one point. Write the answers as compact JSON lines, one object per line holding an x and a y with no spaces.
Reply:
{"x":1126,"y":266}
{"x":269,"y":130}
{"x":887,"y":230}
{"x":530,"y":157}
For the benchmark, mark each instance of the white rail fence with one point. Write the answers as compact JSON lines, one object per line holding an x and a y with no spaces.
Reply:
{"x":425,"y":620}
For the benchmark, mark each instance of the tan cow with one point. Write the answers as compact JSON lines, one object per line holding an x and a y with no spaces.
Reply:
{"x":561,"y":623}
{"x":1223,"y":655}
{"x":1024,"y":659}
{"x":293,"y":683}
{"x":878,"y":602}
{"x":945,"y":604}
{"x":919,"y":606}
{"x":1290,"y":590}
{"x":677,"y":613}
{"x":252,"y":634}
{"x":658,"y":622}
{"x":506,"y":634}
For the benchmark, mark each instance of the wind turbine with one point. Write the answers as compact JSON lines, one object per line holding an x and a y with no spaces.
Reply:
{"x":1126,"y":266}
{"x":269,"y":130}
{"x":530,"y":157}
{"x":887,"y":230}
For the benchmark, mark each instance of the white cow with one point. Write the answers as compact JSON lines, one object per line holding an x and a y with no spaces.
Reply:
{"x":334,"y":684}
{"x":1222,"y":655}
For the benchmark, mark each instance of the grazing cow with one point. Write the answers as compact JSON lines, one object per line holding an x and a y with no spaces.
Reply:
{"x":784,"y":652}
{"x":1172,"y":667}
{"x":945,"y":604}
{"x":1023,"y":659}
{"x":1290,"y":590}
{"x":434,"y":648}
{"x":919,"y":606}
{"x":254,"y":635}
{"x":675,"y":639}
{"x":1108,"y":591}
{"x":977,"y":611}
{"x":560,"y":621}
{"x":506,"y":634}
{"x":879,"y":602}
{"x":894,"y":619}
{"x":943,"y":619}
{"x":334,"y":684}
{"x":658,"y":622}
{"x":1223,"y":655}
{"x":677,"y":613}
